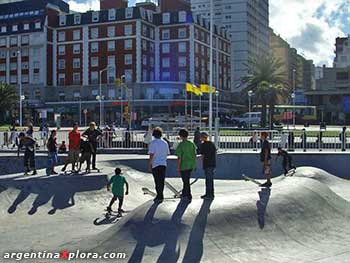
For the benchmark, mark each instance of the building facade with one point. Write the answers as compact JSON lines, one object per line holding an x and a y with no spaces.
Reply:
{"x":72,"y":55}
{"x":247,"y":22}
{"x":342,"y":52}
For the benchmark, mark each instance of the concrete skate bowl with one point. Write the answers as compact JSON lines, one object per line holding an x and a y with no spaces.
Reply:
{"x":301,"y":219}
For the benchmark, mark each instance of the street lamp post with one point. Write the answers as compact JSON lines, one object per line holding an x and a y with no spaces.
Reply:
{"x":100,"y":97}
{"x":217,"y":103}
{"x":122,"y":80}
{"x":250,"y":94}
{"x":19,"y":60}
{"x":211,"y":68}
{"x":200,"y":110}
{"x":293,"y":97}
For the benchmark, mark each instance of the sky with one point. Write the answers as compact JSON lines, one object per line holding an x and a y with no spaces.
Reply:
{"x":310,"y":26}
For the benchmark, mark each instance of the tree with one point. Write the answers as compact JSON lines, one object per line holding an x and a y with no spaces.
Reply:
{"x":9,"y":98}
{"x":268,"y":82}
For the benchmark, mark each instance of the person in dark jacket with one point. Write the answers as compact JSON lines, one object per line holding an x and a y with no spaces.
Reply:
{"x":92,"y":134}
{"x":29,"y":152}
{"x":52,"y":153}
{"x":86,"y":149}
{"x":286,"y":160}
{"x":197,"y":139}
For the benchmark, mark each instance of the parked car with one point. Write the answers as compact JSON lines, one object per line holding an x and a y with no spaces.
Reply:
{"x":254,"y":118}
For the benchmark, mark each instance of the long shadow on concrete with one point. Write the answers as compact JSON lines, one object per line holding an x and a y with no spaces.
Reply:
{"x":194,"y":250}
{"x":61,"y":189}
{"x":261,"y":204}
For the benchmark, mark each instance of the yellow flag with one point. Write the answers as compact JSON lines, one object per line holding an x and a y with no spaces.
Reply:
{"x":193,"y":89}
{"x":205,"y":88}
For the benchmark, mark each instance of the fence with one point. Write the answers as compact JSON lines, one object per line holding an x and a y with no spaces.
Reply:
{"x":227,"y":140}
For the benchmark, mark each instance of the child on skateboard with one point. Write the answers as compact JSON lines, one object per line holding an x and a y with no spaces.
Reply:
{"x":287,"y":160}
{"x":117,"y":181}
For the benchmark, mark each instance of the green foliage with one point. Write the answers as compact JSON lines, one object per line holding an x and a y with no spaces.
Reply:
{"x":8,"y":100}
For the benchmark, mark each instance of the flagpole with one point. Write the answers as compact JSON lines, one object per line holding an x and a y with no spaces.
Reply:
{"x":211,"y":69}
{"x":191,"y":110}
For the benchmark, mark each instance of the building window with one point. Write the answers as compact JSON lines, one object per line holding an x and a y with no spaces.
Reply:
{"x":182,"y":76}
{"x":182,"y":61}
{"x":94,"y":62}
{"x":129,"y":12}
{"x":166,"y":18}
{"x":3,"y":67}
{"x":77,"y":19}
{"x":144,"y":44}
{"x":26,"y":26}
{"x":76,"y":63}
{"x":144,"y":30}
{"x":128,"y":30}
{"x":3,"y":29}
{"x":76,"y":49}
{"x":76,"y":78}
{"x":61,"y":64}
{"x":144,"y":75}
{"x":166,"y":62}
{"x":144,"y":60}
{"x":61,"y":79}
{"x":165,"y":48}
{"x":13,"y":66}
{"x":166,"y":76}
{"x":24,"y":40}
{"x":128,"y":44}
{"x":25,"y":65}
{"x":111,"y":14}
{"x":182,"y":47}
{"x":2,"y":54}
{"x":128,"y":59}
{"x":165,"y":34}
{"x":61,"y":50}
{"x":151,"y":33}
{"x":76,"y":34}
{"x":61,"y":36}
{"x":94,"y":32}
{"x":37,"y":25}
{"x":182,"y":33}
{"x":111,"y":61}
{"x":151,"y":47}
{"x":94,"y":77}
{"x":111,"y":31}
{"x":94,"y":17}
{"x":13,"y":79}
{"x":2,"y":79}
{"x":111,"y":45}
{"x":25,"y":52}
{"x":25,"y":78}
{"x":94,"y":47}
{"x":3,"y":42}
{"x":182,"y":16}
{"x":111,"y":75}
{"x":62,"y":20}
{"x":151,"y":61}
{"x":13,"y":41}
{"x":128,"y":75}
{"x":14,"y":28}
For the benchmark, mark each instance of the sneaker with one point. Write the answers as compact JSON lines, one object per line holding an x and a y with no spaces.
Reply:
{"x":34,"y":172}
{"x":120,"y":210}
{"x":53,"y":172}
{"x":267,"y":185}
{"x":63,"y":169}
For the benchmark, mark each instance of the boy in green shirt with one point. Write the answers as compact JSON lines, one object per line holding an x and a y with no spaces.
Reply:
{"x":117,"y":181}
{"x":186,"y":163}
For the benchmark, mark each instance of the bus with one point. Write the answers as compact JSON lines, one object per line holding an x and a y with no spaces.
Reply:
{"x":303,"y":114}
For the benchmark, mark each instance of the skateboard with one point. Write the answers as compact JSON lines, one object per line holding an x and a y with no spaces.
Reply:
{"x":247,"y":178}
{"x":113,"y":213}
{"x":177,"y":194}
{"x":146,"y":191}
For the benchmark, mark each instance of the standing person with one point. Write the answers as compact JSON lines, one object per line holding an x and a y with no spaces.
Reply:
{"x":286,"y":160}
{"x":304,"y":140}
{"x":86,"y":149}
{"x":342,"y":137}
{"x":186,"y":163}
{"x":197,"y":139}
{"x":158,"y":153}
{"x":117,"y":181}
{"x":74,"y":148}
{"x":6,"y":139}
{"x":13,"y":136}
{"x":29,"y":153}
{"x":52,"y":154}
{"x":92,"y":133}
{"x":30,"y":130}
{"x":208,"y":151}
{"x":265,"y":158}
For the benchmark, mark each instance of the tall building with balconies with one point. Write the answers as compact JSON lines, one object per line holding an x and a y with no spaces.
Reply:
{"x":342,"y":52}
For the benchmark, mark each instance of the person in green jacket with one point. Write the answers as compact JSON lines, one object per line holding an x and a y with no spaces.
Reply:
{"x":117,"y":181}
{"x":186,"y":163}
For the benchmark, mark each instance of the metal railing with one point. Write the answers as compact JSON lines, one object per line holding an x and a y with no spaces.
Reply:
{"x":240,"y":140}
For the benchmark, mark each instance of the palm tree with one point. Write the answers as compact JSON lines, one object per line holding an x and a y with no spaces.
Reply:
{"x":8,"y":99}
{"x":268,"y":82}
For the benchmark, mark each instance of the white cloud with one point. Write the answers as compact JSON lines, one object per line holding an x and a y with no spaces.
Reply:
{"x":84,"y":6}
{"x":310,"y":26}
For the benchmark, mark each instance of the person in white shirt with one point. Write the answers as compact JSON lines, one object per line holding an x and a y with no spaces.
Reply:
{"x":158,"y":153}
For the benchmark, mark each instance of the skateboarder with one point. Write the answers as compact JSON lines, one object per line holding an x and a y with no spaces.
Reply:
{"x":52,"y":153}
{"x":286,"y":160}
{"x":265,"y":158}
{"x":186,"y":163}
{"x":342,"y":137}
{"x":92,"y":133}
{"x":29,"y":152}
{"x":208,"y":151}
{"x":74,"y":148}
{"x":86,"y":152}
{"x":117,"y":181}
{"x":158,"y":153}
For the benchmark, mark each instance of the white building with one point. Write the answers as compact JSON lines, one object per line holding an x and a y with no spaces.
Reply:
{"x":247,"y":21}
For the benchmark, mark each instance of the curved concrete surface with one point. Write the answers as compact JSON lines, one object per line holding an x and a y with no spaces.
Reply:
{"x":302,"y":219}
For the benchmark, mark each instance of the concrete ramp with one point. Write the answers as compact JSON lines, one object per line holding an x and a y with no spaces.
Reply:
{"x":299,"y":220}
